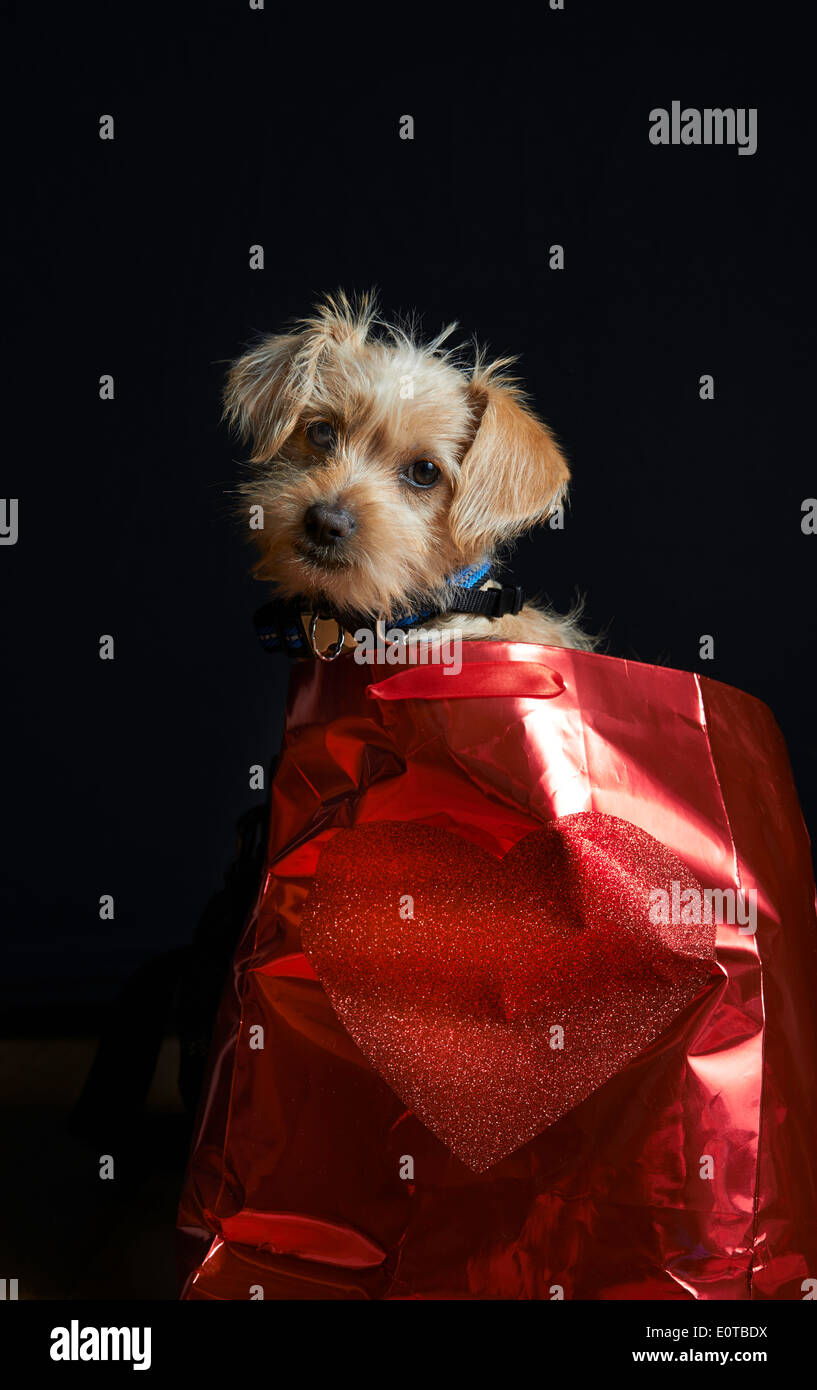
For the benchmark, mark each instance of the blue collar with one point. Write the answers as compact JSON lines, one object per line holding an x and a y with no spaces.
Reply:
{"x":280,"y":628}
{"x":463,"y":579}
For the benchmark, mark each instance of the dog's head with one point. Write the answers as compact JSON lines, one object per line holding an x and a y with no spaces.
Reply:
{"x":381,"y":466}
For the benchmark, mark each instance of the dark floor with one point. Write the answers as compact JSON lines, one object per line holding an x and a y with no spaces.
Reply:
{"x":66,"y":1232}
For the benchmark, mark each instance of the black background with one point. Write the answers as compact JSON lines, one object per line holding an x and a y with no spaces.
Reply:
{"x":236,"y":127}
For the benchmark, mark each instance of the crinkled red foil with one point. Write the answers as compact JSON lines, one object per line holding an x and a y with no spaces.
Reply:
{"x":687,"y":1170}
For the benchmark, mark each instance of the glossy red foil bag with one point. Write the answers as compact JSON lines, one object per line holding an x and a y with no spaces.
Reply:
{"x":527,"y":1006}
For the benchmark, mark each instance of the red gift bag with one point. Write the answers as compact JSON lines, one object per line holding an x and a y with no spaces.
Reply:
{"x":527,"y":1006}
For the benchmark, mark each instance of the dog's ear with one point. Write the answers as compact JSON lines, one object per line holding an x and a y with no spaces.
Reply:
{"x":267,"y":388}
{"x":513,"y":474}
{"x":260,"y":397}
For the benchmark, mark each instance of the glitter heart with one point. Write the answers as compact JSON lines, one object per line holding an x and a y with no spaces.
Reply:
{"x":494,"y":995}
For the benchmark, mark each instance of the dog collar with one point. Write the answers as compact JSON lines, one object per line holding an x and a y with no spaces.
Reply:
{"x":280,"y":627}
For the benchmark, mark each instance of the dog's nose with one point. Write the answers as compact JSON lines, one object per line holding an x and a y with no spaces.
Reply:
{"x":327,"y":525}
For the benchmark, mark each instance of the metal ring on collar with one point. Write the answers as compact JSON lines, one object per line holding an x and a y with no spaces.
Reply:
{"x":334,"y":649}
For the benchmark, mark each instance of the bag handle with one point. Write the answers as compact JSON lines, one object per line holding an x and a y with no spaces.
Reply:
{"x":523,"y":679}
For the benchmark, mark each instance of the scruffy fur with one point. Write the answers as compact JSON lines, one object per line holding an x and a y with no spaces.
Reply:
{"x":385,"y":402}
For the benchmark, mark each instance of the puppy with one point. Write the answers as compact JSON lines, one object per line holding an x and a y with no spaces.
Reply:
{"x":382,"y":468}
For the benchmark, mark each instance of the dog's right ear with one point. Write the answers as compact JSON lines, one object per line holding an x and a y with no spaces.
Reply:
{"x":267,"y":388}
{"x":260,"y":399}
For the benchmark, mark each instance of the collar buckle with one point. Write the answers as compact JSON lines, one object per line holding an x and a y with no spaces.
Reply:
{"x":512,"y":600}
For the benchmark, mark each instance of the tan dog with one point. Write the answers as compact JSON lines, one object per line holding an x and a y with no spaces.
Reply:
{"x":381,"y":467}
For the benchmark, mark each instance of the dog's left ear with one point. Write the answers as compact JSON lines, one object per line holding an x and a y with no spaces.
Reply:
{"x":513,"y":474}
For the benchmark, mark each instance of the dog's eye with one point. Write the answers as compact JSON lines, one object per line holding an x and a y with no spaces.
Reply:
{"x":422,"y":473}
{"x":320,"y":432}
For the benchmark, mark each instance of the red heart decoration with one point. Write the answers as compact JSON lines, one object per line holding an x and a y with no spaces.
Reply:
{"x":458,"y":1006}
